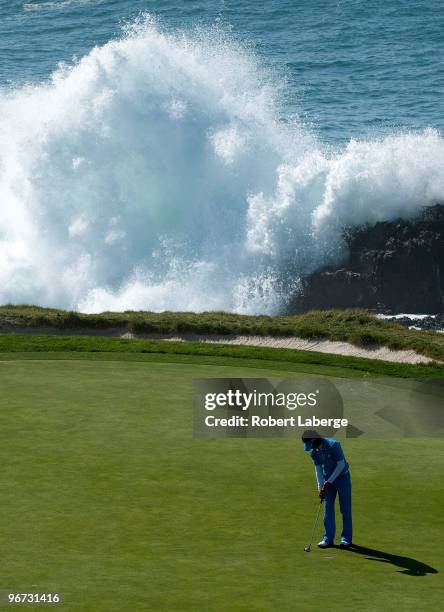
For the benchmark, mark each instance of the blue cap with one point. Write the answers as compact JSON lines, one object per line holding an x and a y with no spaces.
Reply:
{"x":308,"y":446}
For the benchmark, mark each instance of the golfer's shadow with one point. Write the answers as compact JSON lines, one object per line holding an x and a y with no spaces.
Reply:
{"x":410,"y":567}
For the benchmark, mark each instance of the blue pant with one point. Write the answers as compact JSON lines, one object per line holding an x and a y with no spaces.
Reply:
{"x":341,"y":485}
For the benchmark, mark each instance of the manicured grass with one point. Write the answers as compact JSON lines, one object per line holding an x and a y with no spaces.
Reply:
{"x":203,"y":351}
{"x":356,"y":326}
{"x":108,"y":498}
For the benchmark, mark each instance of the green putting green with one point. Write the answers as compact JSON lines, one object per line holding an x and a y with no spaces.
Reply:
{"x":107,"y":498}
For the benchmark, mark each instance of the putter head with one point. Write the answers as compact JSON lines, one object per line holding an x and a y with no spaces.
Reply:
{"x":307,"y":548}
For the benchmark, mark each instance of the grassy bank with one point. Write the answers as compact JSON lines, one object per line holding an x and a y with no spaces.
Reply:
{"x":337,"y":365}
{"x":358,"y":327}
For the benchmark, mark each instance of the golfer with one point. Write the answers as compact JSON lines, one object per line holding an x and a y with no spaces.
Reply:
{"x":333,"y":476}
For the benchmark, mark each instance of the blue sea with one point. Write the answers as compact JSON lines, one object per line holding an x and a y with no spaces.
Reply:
{"x":205,"y":155}
{"x":354,"y":68}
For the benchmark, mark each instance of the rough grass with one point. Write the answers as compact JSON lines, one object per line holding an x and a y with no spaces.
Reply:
{"x":337,"y":365}
{"x":359,"y":327}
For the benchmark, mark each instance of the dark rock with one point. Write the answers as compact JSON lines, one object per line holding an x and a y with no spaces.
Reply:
{"x":430,"y":323}
{"x":391,"y":267}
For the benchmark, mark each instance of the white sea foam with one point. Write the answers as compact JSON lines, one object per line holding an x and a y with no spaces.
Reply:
{"x":155,"y":174}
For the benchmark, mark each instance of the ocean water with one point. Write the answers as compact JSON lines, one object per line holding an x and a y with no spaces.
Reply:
{"x":205,"y":155}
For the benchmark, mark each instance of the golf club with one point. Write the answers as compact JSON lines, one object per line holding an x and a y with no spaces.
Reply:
{"x":308,"y":548}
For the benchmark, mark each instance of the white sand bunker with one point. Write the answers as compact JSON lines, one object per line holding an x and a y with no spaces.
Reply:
{"x":290,"y":342}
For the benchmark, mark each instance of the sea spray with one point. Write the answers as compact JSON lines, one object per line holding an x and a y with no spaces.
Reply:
{"x":155,"y":174}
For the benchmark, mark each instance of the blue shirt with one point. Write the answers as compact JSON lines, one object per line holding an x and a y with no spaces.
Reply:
{"x":328,"y":455}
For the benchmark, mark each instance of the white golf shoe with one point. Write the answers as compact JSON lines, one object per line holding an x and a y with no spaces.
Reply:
{"x":324,"y":543}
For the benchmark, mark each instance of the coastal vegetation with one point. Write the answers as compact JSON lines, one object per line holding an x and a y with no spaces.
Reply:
{"x":358,"y":327}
